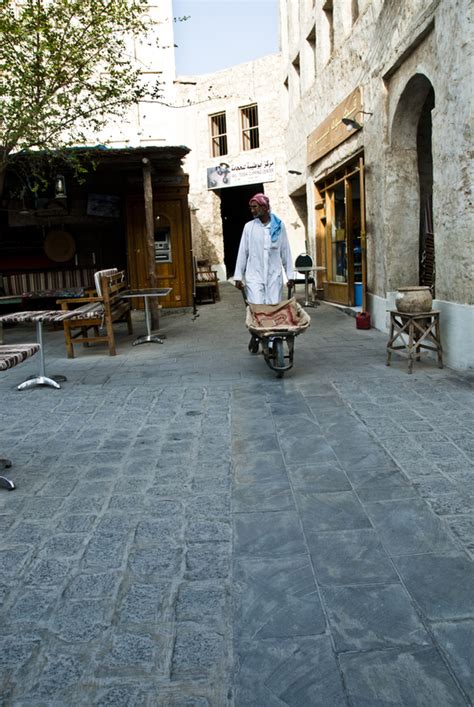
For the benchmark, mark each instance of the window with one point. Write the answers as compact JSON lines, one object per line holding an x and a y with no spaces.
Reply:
{"x":249,"y":120}
{"x":218,"y":135}
{"x":297,"y":76}
{"x":311,"y":39}
{"x":328,"y":11}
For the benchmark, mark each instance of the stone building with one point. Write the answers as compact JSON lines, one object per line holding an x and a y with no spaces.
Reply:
{"x":378,"y":125}
{"x":233,"y":121}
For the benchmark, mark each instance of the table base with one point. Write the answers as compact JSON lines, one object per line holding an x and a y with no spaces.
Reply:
{"x":4,"y":482}
{"x":40,"y":380}
{"x":150,"y":339}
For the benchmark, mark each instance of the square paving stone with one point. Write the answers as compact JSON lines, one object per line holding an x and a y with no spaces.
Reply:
{"x":297,"y":673}
{"x":276,"y":598}
{"x":380,"y":484}
{"x":350,"y":557}
{"x":207,"y":561}
{"x":453,"y":503}
{"x":442,"y":585}
{"x":202,"y":603}
{"x":263,"y":497}
{"x":361,"y":457}
{"x":457,"y":643}
{"x":31,"y":605}
{"x":463,"y":528}
{"x":156,"y":563}
{"x":15,"y":651}
{"x":81,"y":621}
{"x":268,"y":534}
{"x":100,"y":585}
{"x":60,"y":673}
{"x":372,"y":617}
{"x":260,"y":468}
{"x":198,"y":653}
{"x":414,"y":678}
{"x":319,"y":477}
{"x":407,"y":527}
{"x":304,"y":447}
{"x":330,"y":511}
{"x":258,"y":444}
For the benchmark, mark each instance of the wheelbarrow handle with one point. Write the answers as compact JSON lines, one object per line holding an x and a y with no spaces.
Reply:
{"x":244,"y":294}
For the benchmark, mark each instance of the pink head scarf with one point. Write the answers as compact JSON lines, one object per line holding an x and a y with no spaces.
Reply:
{"x":261,"y":200}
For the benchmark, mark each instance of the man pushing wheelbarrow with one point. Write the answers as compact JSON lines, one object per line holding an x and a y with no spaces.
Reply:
{"x":264,"y":253}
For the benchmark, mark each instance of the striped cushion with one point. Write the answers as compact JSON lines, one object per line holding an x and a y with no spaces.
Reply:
{"x":48,"y":315}
{"x":27,"y":282}
{"x":13,"y":354}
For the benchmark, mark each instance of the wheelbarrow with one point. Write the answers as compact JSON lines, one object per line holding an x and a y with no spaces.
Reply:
{"x":274,"y":328}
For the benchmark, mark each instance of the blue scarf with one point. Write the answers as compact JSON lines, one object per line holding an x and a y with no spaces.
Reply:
{"x":275,"y":227}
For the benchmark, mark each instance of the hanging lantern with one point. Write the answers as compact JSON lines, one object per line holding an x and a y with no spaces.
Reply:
{"x":59,"y":187}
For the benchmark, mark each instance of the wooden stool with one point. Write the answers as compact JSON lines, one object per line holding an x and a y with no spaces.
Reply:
{"x":419,"y":328}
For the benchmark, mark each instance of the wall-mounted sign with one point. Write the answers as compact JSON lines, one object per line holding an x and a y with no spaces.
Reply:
{"x":234,"y":174}
{"x":332,"y":131}
{"x":104,"y":205}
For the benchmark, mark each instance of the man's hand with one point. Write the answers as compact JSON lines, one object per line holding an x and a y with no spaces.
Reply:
{"x":290,"y":283}
{"x":239,"y":284}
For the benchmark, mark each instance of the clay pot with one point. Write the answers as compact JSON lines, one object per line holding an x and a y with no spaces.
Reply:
{"x":413,"y":299}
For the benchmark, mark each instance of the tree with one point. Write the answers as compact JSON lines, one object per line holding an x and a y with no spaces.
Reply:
{"x":65,"y":70}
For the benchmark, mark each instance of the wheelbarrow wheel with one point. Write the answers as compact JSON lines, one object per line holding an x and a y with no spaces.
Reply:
{"x":279,"y":357}
{"x":253,"y":345}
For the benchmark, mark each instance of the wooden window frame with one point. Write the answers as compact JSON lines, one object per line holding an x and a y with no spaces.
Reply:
{"x":218,"y":134}
{"x":249,"y":127}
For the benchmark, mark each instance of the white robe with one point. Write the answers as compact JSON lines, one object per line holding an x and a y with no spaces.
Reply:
{"x":259,"y":262}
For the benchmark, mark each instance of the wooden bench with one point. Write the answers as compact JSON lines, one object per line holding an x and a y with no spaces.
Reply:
{"x":206,"y":282}
{"x":99,"y":312}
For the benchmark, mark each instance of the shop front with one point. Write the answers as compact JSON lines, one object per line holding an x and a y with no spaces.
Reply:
{"x":340,"y":204}
{"x":340,"y":234}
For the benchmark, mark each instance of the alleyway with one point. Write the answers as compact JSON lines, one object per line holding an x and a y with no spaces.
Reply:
{"x":190,"y":531}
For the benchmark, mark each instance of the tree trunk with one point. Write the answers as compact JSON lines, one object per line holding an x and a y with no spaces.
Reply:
{"x":3,"y":171}
{"x":150,"y":239}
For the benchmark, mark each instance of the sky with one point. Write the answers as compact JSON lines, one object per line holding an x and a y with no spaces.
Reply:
{"x":222,"y":33}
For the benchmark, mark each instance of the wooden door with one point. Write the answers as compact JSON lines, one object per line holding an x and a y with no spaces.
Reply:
{"x":341,"y":234}
{"x":173,"y":262}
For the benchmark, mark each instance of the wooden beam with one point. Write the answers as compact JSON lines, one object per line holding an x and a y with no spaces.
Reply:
{"x":150,"y":239}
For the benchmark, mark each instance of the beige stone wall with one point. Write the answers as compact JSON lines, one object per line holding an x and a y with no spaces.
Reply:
{"x":229,"y":90}
{"x":396,"y":52}
{"x":386,"y":46}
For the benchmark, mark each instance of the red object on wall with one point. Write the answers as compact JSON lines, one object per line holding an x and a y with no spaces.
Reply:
{"x":363,"y":320}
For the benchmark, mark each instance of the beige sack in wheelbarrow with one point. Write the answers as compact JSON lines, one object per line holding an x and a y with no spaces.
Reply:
{"x":287,"y":316}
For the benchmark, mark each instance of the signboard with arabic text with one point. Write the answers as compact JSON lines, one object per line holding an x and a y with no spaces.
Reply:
{"x":234,"y":174}
{"x":332,"y":131}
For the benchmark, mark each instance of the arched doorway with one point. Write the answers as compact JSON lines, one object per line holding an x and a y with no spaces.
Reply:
{"x":409,"y":205}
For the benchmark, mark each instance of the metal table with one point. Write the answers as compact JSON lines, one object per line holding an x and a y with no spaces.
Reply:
{"x":11,"y":356}
{"x":38,"y":318}
{"x":149,"y":337}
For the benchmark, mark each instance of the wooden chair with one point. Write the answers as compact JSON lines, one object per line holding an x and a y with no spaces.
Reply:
{"x":206,"y":282}
{"x":99,"y":312}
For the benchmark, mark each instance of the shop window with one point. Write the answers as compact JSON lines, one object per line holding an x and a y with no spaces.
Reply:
{"x":218,"y":134}
{"x":249,"y":123}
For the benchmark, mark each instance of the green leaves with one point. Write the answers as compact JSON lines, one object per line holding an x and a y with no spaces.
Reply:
{"x":66,"y":67}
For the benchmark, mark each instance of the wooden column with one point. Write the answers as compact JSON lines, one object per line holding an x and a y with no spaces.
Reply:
{"x":150,"y":240}
{"x":363,"y":234}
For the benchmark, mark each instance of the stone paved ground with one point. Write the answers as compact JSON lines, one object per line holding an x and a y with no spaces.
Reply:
{"x":190,"y":531}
